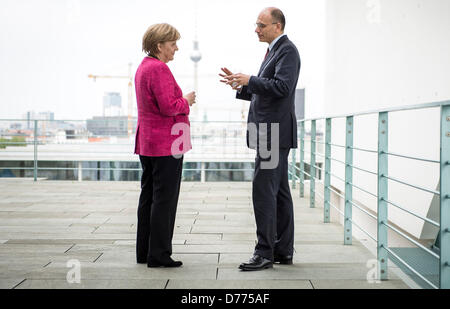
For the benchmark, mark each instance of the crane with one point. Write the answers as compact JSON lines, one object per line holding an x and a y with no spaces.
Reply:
{"x":130,"y":93}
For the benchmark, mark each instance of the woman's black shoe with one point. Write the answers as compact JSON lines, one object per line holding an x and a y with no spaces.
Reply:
{"x":171,"y":263}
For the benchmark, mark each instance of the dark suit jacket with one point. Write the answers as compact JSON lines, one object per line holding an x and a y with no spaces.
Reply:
{"x":272,"y":93}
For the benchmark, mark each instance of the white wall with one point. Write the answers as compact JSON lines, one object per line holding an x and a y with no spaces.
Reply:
{"x":389,"y":53}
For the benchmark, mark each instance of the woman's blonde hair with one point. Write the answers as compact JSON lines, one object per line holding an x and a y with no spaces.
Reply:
{"x":158,"y":33}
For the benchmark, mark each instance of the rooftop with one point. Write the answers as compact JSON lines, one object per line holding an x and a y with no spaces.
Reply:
{"x":45,"y":224}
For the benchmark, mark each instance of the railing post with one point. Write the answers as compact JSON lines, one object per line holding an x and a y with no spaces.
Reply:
{"x":302,"y":159}
{"x":294,"y":169}
{"x":444,"y":268}
{"x":326,"y":205}
{"x":382,"y":231}
{"x":202,"y":172}
{"x":111,"y":172}
{"x":312,"y":167}
{"x":348,"y":181}
{"x":35,"y":143}
{"x":80,"y":171}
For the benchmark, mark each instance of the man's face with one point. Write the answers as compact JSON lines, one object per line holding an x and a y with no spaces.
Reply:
{"x":266,"y":29}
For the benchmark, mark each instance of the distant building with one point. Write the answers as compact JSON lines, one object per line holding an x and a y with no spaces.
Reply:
{"x":110,"y":126}
{"x":32,"y":115}
{"x":112,"y":104}
{"x":15,"y":126}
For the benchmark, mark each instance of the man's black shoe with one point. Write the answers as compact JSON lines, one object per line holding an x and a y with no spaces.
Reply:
{"x":256,"y":263}
{"x":283,"y":259}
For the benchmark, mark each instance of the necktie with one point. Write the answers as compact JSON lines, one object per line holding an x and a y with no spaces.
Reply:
{"x":266,"y":54}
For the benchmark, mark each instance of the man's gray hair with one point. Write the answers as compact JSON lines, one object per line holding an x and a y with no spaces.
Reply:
{"x":278,"y":17}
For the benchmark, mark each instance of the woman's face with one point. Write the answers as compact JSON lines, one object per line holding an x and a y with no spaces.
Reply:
{"x":167,"y":51}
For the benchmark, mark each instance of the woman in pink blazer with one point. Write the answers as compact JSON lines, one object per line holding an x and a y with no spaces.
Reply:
{"x":162,"y":137}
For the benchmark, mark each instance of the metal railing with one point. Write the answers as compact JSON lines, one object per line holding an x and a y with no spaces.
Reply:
{"x":217,"y":139}
{"x":383,"y":202}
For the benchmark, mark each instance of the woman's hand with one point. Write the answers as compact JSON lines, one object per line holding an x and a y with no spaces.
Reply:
{"x":190,"y":97}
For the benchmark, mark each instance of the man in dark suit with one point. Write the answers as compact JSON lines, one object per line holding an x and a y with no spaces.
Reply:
{"x":272,"y":131}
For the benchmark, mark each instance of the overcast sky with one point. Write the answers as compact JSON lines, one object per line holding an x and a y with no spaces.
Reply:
{"x":48,"y":48}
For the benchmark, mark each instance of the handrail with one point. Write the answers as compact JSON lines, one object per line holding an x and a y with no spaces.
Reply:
{"x":383,"y":110}
{"x":383,"y":154}
{"x":363,"y":190}
{"x":366,"y":150}
{"x":411,"y":213}
{"x":362,"y":230}
{"x":411,"y":240}
{"x":337,"y":177}
{"x":407,"y":184}
{"x":412,"y":158}
{"x":363,"y":210}
{"x":364,"y":170}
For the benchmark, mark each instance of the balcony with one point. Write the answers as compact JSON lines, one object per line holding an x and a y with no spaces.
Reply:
{"x":47,"y":225}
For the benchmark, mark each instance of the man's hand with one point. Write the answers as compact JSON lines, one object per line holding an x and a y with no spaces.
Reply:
{"x":227,"y":73}
{"x":236,"y":81}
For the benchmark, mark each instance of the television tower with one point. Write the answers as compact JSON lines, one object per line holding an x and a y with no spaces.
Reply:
{"x":196,"y":56}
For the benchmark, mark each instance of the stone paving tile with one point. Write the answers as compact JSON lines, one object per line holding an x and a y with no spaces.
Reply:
{"x":87,"y":235}
{"x":77,"y":248}
{"x":66,"y":222}
{"x":94,"y":284}
{"x":17,"y":249}
{"x":300,"y":272}
{"x":129,"y":257}
{"x":234,"y":259}
{"x":194,"y":236}
{"x":241,"y":284}
{"x":326,"y":253}
{"x":212,"y":248}
{"x":222,"y":229}
{"x":121,"y":271}
{"x":240,"y":236}
{"x":40,"y":215}
{"x":224,"y":223}
{"x":304,"y":235}
{"x":358,"y":284}
{"x":220,"y":242}
{"x":44,"y":229}
{"x":12,"y":271}
{"x":45,"y":258}
{"x":10,"y":283}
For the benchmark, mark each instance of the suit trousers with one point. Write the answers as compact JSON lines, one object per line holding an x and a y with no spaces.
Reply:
{"x":273,"y":208}
{"x":160,"y":189}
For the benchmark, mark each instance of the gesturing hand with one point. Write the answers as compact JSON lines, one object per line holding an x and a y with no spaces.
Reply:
{"x":236,"y":81}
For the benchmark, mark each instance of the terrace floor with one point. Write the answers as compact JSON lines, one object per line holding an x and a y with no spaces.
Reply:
{"x":46,"y":224}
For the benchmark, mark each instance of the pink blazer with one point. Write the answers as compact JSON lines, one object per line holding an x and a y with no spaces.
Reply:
{"x":163,"y":122}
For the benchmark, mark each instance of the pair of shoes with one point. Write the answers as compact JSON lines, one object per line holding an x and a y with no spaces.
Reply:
{"x":283,"y":259}
{"x":170,"y":263}
{"x":256,"y":263}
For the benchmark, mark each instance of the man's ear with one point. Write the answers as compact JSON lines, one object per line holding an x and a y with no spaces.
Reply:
{"x":279,"y":27}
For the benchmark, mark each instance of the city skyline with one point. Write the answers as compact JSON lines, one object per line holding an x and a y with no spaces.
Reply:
{"x":48,"y":71}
